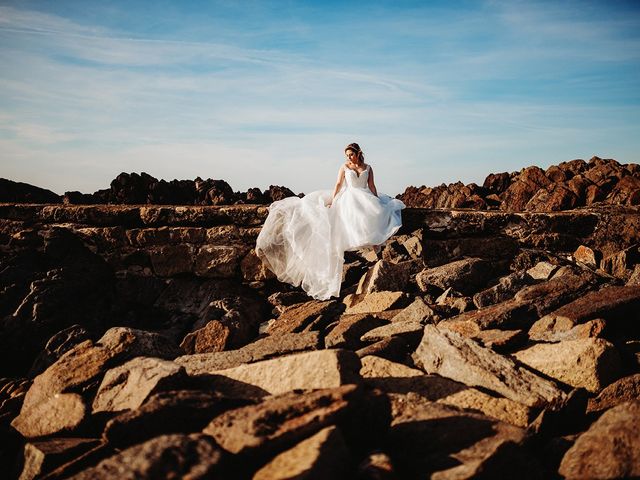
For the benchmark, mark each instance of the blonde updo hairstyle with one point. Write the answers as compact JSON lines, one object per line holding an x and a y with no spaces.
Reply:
{"x":355,"y":148}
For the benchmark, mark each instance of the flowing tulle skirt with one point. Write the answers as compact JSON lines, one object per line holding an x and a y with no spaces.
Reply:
{"x":303,"y":241}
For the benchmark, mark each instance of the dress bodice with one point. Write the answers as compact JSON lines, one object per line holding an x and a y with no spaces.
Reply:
{"x":354,"y":180}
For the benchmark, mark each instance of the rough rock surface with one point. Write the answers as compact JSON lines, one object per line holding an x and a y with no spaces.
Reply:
{"x":590,"y":363}
{"x":323,"y":455}
{"x":609,"y":449}
{"x":451,"y":355}
{"x":309,"y":370}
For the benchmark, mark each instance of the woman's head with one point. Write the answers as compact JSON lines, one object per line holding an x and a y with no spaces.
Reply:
{"x":354,"y":153}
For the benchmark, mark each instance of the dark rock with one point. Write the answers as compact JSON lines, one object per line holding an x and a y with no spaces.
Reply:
{"x":193,"y":456}
{"x":181,"y":411}
{"x":280,"y":422}
{"x":18,"y":192}
{"x":322,"y":455}
{"x":429,"y":440}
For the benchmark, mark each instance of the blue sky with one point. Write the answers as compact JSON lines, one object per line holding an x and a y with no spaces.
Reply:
{"x":260,"y":93}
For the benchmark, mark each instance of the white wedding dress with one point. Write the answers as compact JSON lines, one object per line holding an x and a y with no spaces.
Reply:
{"x":303,"y":240}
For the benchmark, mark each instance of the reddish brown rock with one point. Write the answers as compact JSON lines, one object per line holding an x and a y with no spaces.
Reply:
{"x":61,"y":413}
{"x":624,"y":390}
{"x":525,"y":185}
{"x":42,"y":456}
{"x":385,"y":276}
{"x":193,"y":456}
{"x":298,"y":318}
{"x":586,"y":255}
{"x":281,"y":421}
{"x":551,"y":199}
{"x":347,"y":332}
{"x":619,"y":306}
{"x":430,"y":440}
{"x":374,"y":302}
{"x":465,"y":276}
{"x":609,"y":449}
{"x":175,"y":411}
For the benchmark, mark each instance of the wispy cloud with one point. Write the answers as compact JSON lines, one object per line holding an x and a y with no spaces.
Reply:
{"x":268,"y":95}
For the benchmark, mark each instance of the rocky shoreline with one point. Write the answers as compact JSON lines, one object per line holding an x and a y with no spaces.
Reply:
{"x":144,"y":341}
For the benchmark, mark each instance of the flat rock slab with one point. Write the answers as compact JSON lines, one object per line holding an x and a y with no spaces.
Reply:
{"x":453,"y":356}
{"x":298,"y":317}
{"x":590,"y":363}
{"x":323,"y":455}
{"x":558,"y":329}
{"x":374,"y":302}
{"x":393,"y":348}
{"x":501,"y":340}
{"x":511,"y":314}
{"x":409,"y":330}
{"x":624,"y":390}
{"x":609,"y":449}
{"x":398,"y":379}
{"x":62,"y":412}
{"x":176,"y":411}
{"x":614,"y":304}
{"x":417,"y":311}
{"x":308,"y":370}
{"x":194,"y":456}
{"x":466,"y":276}
{"x":546,"y":296}
{"x":347,"y":332}
{"x":126,"y":387}
{"x":431,"y":440}
{"x":281,"y":421}
{"x":262,"y":349}
{"x":385,"y":276}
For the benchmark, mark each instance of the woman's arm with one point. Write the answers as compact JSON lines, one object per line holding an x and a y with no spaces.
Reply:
{"x":372,"y":185}
{"x":338,"y":184}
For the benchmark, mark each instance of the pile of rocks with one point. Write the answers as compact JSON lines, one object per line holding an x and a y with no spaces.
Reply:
{"x":143,"y":189}
{"x":465,"y":348}
{"x":561,"y":187}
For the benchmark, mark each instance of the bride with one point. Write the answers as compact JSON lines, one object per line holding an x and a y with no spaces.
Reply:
{"x":303,"y":240}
